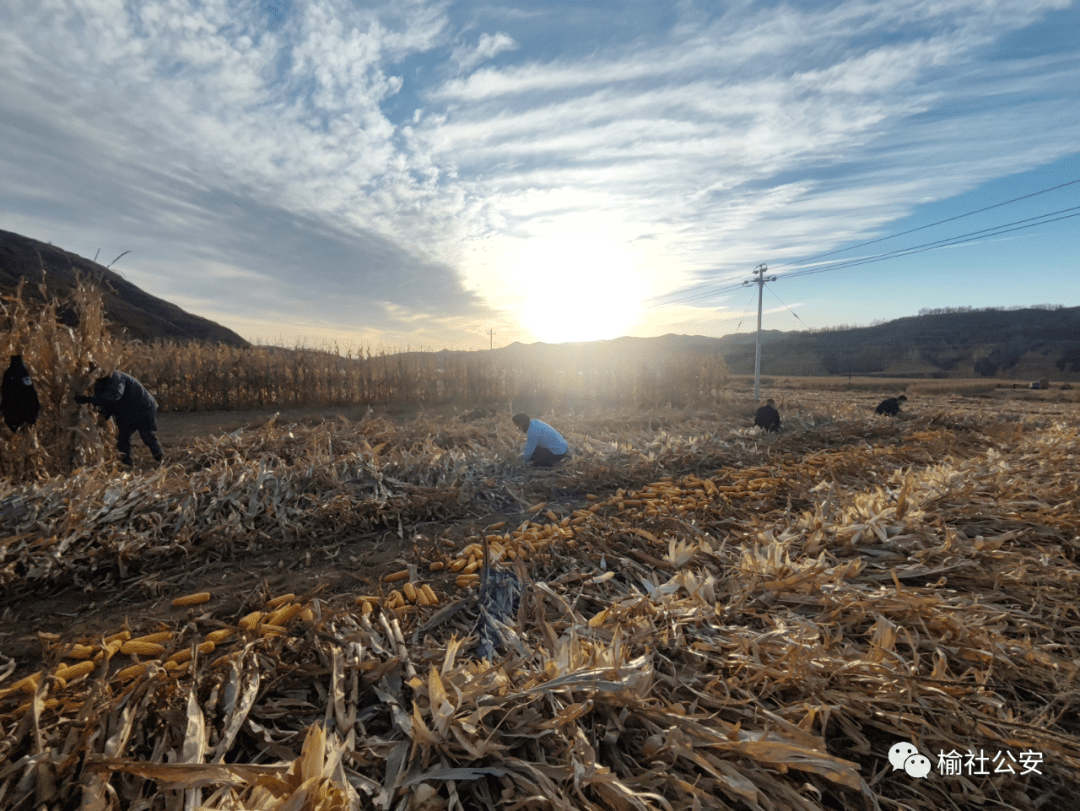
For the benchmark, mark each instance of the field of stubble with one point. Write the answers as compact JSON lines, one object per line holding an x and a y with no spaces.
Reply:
{"x":687,"y":615}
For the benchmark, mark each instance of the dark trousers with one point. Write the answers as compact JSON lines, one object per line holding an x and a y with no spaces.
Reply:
{"x":146,"y":431}
{"x":542,"y":457}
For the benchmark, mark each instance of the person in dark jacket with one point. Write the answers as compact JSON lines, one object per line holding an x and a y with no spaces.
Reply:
{"x":133,"y":408}
{"x":890,"y":407}
{"x":18,"y":397}
{"x":767,"y":417}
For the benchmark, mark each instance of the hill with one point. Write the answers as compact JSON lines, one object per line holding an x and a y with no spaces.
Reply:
{"x":1012,"y":344}
{"x":134,"y":313}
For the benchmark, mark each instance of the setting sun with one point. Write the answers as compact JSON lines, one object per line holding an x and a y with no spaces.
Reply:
{"x":576,"y":284}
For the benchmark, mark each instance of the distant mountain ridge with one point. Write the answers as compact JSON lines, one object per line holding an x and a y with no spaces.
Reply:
{"x":133,"y":312}
{"x":1011,"y":344}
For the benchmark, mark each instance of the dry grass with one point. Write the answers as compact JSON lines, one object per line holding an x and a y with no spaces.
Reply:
{"x":731,"y":620}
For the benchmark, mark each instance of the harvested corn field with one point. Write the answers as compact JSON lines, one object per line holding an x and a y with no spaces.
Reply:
{"x":688,"y":614}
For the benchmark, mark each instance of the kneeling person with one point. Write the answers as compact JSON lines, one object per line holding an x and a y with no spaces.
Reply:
{"x":132,"y":407}
{"x":544,"y":446}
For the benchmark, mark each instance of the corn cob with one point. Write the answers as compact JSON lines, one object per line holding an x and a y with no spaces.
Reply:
{"x":277,"y":601}
{"x":160,"y":636}
{"x":393,"y":578}
{"x":251,"y":620}
{"x":27,"y":685}
{"x":429,"y":594}
{"x":410,"y":592}
{"x":81,"y":652}
{"x":192,"y":599}
{"x":138,"y":647}
{"x":284,"y":614}
{"x":215,"y":637}
{"x":437,"y":566}
{"x":74,"y":671}
{"x":131,"y":672}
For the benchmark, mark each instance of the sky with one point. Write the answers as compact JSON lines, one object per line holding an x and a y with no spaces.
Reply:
{"x":416,"y":174}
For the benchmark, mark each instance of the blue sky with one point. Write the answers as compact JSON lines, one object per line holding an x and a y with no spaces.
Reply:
{"x":416,"y":173}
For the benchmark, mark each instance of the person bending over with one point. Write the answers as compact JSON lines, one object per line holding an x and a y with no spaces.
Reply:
{"x":132,"y":407}
{"x":544,"y":446}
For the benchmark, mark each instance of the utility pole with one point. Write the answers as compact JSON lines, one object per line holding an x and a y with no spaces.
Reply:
{"x":491,"y":339}
{"x":760,"y":282}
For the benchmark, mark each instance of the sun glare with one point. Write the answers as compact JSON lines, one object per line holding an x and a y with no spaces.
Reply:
{"x":577,"y":284}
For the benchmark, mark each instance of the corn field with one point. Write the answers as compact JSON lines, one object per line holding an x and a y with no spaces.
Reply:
{"x":65,"y":360}
{"x":688,"y":614}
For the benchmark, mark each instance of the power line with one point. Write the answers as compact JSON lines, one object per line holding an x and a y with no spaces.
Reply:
{"x":710,"y":293}
{"x":943,"y":243}
{"x":789,"y":309}
{"x":931,"y":225}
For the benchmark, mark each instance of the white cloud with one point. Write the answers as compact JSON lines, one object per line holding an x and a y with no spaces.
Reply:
{"x":488,"y":47}
{"x":725,"y":138}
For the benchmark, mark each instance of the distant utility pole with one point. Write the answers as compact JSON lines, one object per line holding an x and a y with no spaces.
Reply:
{"x":491,"y":339}
{"x":760,"y":282}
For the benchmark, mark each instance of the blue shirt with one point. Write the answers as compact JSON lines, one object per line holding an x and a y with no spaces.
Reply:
{"x":543,"y":435}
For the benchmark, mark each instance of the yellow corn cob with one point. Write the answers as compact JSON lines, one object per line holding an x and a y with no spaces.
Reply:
{"x":395,"y":599}
{"x":498,"y":525}
{"x":27,"y":685}
{"x":284,"y":614}
{"x":74,"y":671}
{"x":266,"y":629}
{"x":535,"y":508}
{"x":219,"y":636}
{"x":437,"y":566}
{"x":458,"y":565}
{"x":47,"y":704}
{"x":429,"y":593}
{"x":155,"y":638}
{"x":366,"y":608}
{"x":410,"y":592}
{"x":591,"y":497}
{"x":123,"y":636}
{"x":284,"y":598}
{"x":466,"y":580}
{"x":366,"y":598}
{"x":81,"y":652}
{"x":206,"y":647}
{"x":192,"y":599}
{"x":138,"y":647}
{"x":474,"y":564}
{"x":178,"y":657}
{"x":551,"y":515}
{"x":393,"y":578}
{"x":110,"y":650}
{"x":307,"y":615}
{"x":251,"y":620}
{"x":131,"y":672}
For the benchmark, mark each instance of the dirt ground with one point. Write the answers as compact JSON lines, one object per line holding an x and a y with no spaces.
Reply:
{"x":354,"y":564}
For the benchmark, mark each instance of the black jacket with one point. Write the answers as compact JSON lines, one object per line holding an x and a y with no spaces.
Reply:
{"x":20,"y":401}
{"x":123,"y":398}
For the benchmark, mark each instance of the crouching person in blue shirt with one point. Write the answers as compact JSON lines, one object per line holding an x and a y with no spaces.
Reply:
{"x":132,"y":407}
{"x":544,"y":446}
